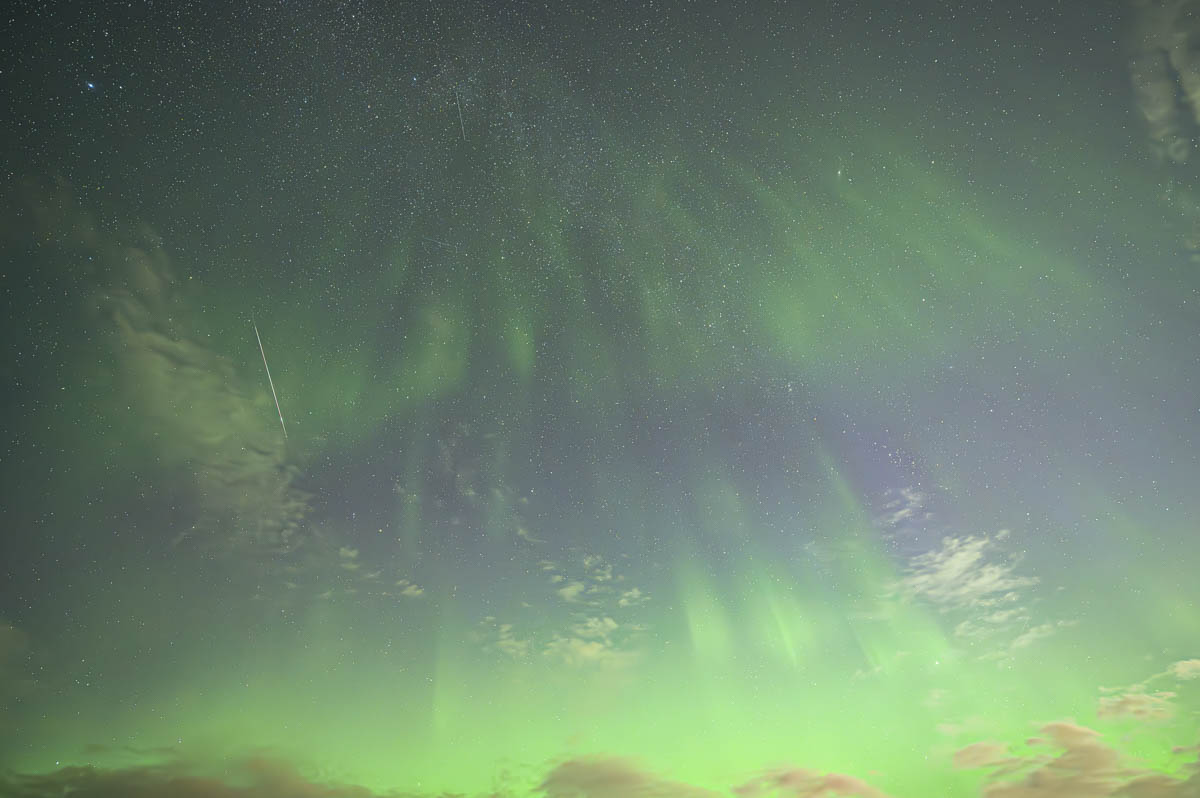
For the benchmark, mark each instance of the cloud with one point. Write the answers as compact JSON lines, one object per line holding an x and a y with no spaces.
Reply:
{"x":613,"y":778}
{"x":590,"y":580}
{"x":572,"y":591}
{"x":1032,"y":635}
{"x":632,"y":598}
{"x":959,"y":576}
{"x":201,"y":423}
{"x":584,"y":652}
{"x":509,"y":644}
{"x":1185,"y":669}
{"x":1065,"y":760}
{"x":254,"y":777}
{"x":1142,"y":706}
{"x":592,"y":641}
{"x":348,"y":558}
{"x":988,"y":626}
{"x":807,"y":784}
{"x":969,"y":577}
{"x":597,"y":568}
{"x":903,"y":506}
{"x":979,"y":755}
{"x":1003,"y":616}
{"x":595,"y":628}
{"x":407,"y":588}
{"x":527,"y":536}
{"x":1084,"y":767}
{"x":502,"y":637}
{"x":1162,"y":69}
{"x":1138,"y":702}
{"x":1025,"y":639}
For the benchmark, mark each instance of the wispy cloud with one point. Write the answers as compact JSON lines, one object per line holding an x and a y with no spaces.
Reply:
{"x":203,"y":421}
{"x":584,"y":615}
{"x":904,"y":506}
{"x":595,"y":628}
{"x":1137,"y":701}
{"x":524,"y":534}
{"x":503,"y":637}
{"x":409,"y":589}
{"x":577,"y":651}
{"x":1185,"y":669}
{"x":592,"y":641}
{"x":589,"y":580}
{"x":964,"y":574}
{"x":974,"y":582}
{"x":597,"y":568}
{"x":348,"y":558}
{"x":572,"y":591}
{"x":1031,"y":636}
{"x":508,"y":643}
{"x":632,"y":598}
{"x":1143,"y":706}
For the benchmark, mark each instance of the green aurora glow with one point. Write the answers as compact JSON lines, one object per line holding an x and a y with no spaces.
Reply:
{"x":688,"y":419}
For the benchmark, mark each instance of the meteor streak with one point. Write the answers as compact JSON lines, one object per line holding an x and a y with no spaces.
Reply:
{"x":269,"y":380}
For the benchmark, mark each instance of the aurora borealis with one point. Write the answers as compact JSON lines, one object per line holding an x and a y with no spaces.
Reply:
{"x":682,"y":400}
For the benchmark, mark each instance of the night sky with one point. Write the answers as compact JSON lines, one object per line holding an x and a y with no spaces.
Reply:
{"x":665,"y":399}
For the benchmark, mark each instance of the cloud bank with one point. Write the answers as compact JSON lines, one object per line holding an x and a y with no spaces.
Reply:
{"x":1065,"y":760}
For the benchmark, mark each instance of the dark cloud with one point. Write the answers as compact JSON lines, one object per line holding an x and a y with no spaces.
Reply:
{"x":613,"y":778}
{"x":1140,"y":705}
{"x":1084,"y":767}
{"x":1164,"y":73}
{"x":1065,"y":761}
{"x":258,"y":777}
{"x":808,"y":784}
{"x":193,"y":412}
